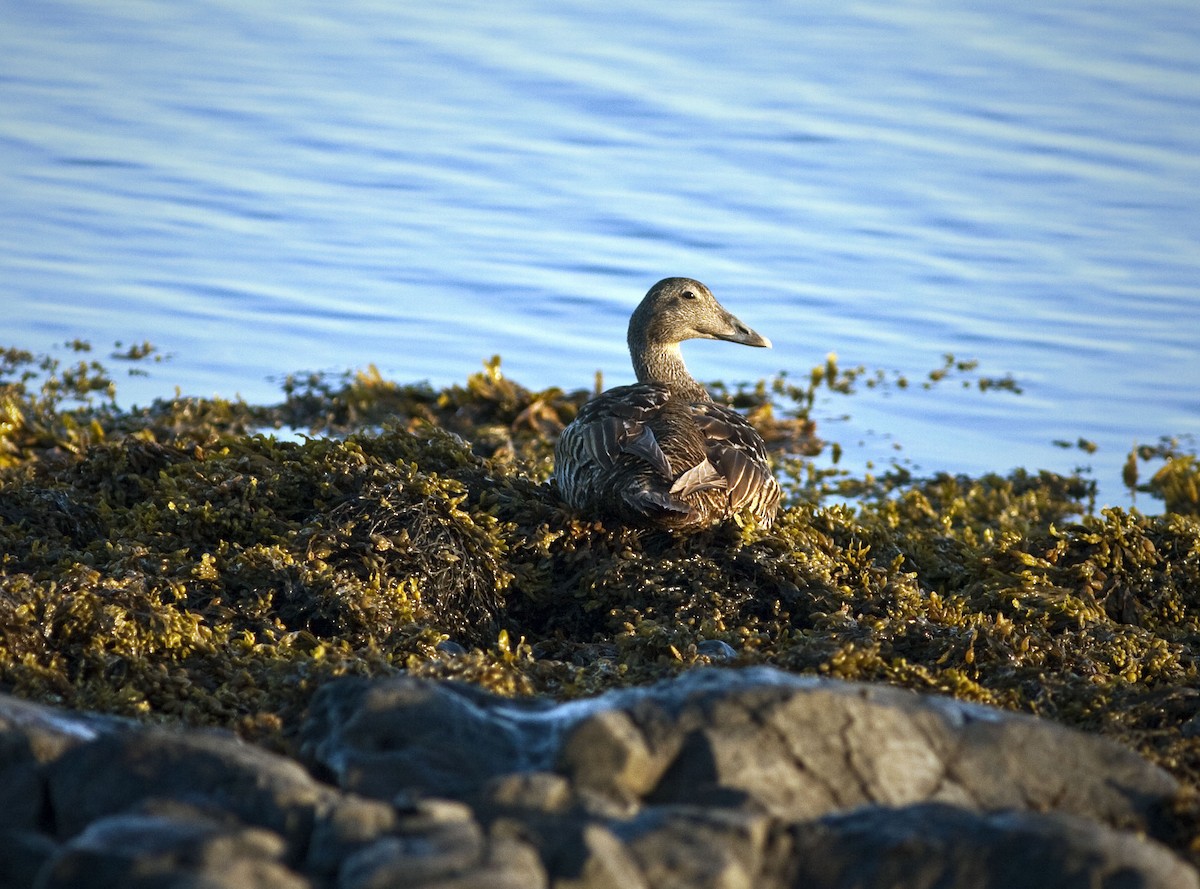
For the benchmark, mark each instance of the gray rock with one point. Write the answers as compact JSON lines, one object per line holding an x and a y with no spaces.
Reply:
{"x":30,"y":736}
{"x":719,"y":778}
{"x":798,"y":747}
{"x":530,"y":791}
{"x":402,"y":735}
{"x":440,"y":845}
{"x":698,"y":780}
{"x":603,"y":860}
{"x":703,"y":848}
{"x":212,"y":770}
{"x":22,"y":789}
{"x":23,"y":853}
{"x":50,"y":731}
{"x":143,"y":850}
{"x":939,"y":845}
{"x":352,"y":823}
{"x":717,"y":650}
{"x":801,"y":748}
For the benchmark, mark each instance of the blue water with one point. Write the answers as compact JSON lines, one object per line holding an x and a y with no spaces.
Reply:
{"x":263,"y":188}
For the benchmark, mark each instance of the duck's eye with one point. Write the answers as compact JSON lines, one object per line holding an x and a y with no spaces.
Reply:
{"x":689,"y":294}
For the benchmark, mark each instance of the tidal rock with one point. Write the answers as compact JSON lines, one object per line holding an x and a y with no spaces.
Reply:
{"x":729,"y":778}
{"x":704,"y":847}
{"x":351,"y":824}
{"x":726,"y":779}
{"x":940,"y":845}
{"x":440,"y":845}
{"x":213,"y":770}
{"x":23,"y":854}
{"x":797,"y":747}
{"x":801,"y":748}
{"x":444,"y":739}
{"x":30,"y":736}
{"x":161,"y":850}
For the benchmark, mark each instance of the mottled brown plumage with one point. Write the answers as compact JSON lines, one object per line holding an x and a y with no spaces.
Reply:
{"x":661,"y":452}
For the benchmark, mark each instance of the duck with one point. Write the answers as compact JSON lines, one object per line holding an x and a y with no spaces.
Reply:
{"x":661,"y":453}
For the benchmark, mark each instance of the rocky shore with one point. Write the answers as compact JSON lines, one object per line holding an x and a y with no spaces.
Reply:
{"x":386,"y":655}
{"x":719,"y":778}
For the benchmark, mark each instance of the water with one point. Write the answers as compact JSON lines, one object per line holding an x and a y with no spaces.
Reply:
{"x":259,"y":189}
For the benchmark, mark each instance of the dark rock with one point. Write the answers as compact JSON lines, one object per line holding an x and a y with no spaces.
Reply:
{"x":798,"y":747}
{"x":440,"y":844}
{"x":22,"y":790}
{"x":114,"y":773}
{"x":23,"y":853}
{"x":699,"y":780}
{"x":606,"y":755}
{"x":49,"y":731}
{"x":602,"y":860}
{"x":703,"y":848}
{"x":801,"y":748}
{"x":941,"y":845}
{"x":352,"y":824}
{"x":716,"y":649}
{"x":435,"y":839}
{"x":30,"y":736}
{"x":544,"y":792}
{"x":396,"y":736}
{"x":719,"y":778}
{"x":144,"y":850}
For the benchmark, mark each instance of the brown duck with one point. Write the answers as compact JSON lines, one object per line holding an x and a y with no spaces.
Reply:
{"x":661,"y":452}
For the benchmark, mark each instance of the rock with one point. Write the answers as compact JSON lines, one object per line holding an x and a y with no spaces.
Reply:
{"x":116,"y":772}
{"x":31,"y":735}
{"x":940,"y":845}
{"x":716,"y":649}
{"x":440,"y":844}
{"x":23,"y":853}
{"x":48,"y":732}
{"x":703,"y":848}
{"x":802,"y":748}
{"x":799,"y":747}
{"x":602,"y":860}
{"x":397,"y":736}
{"x":22,"y":795}
{"x":353,"y":823}
{"x":720,"y":778}
{"x":160,"y":850}
{"x":530,"y":791}
{"x":608,"y":756}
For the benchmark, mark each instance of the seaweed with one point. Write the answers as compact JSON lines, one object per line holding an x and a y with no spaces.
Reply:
{"x":179,"y":562}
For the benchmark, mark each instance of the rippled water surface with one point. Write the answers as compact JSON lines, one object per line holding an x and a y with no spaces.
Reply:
{"x":262,"y":188}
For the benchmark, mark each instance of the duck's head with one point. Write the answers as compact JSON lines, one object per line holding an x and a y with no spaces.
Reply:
{"x":677,"y":309}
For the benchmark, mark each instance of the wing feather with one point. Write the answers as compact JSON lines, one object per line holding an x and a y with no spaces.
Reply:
{"x":620,"y":453}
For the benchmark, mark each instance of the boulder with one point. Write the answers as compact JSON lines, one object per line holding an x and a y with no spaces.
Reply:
{"x":797,"y":747}
{"x":722,"y":779}
{"x":150,"y":849}
{"x":210,"y":770}
{"x":934,"y":844}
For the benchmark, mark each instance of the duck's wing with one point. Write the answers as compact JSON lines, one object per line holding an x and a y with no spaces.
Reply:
{"x":637,"y":453}
{"x":737,"y":451}
{"x":616,"y":422}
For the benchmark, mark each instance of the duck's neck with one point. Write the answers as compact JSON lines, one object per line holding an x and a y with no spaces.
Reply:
{"x":663,"y":363}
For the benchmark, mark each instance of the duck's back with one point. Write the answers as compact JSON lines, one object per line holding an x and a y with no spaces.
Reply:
{"x":638,"y":454}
